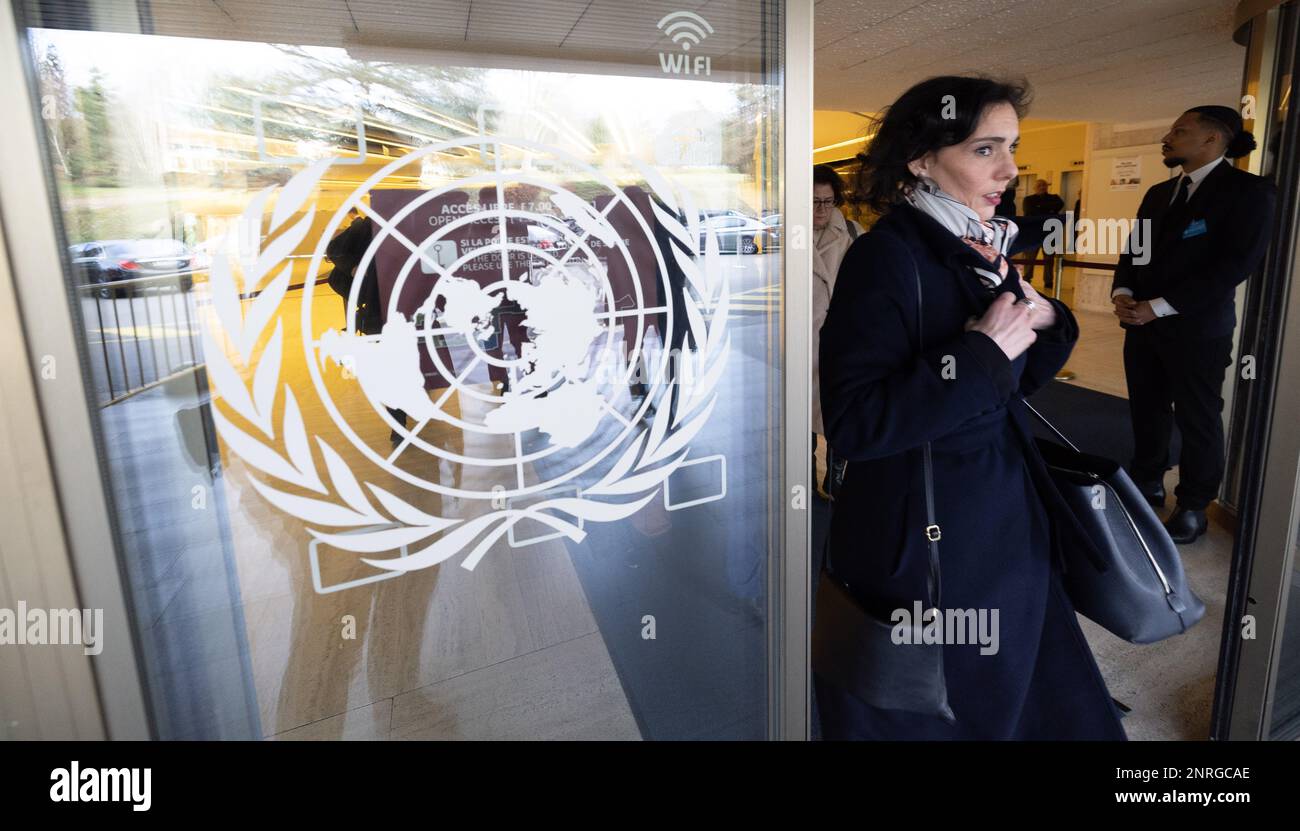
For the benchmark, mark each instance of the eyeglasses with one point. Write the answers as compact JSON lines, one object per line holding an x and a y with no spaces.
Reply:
{"x":823,"y":203}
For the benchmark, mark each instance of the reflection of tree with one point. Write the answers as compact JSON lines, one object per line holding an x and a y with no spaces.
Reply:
{"x":99,"y":164}
{"x":743,"y":130}
{"x":78,"y":121}
{"x":96,"y":139}
{"x":412,"y":99}
{"x":597,"y":132}
{"x":57,"y":110}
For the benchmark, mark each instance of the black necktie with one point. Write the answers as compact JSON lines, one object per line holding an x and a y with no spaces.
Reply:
{"x":1172,"y":221}
{"x":1180,"y":201}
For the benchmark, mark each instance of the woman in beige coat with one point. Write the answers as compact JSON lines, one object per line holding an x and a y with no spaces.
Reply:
{"x":832,"y":236}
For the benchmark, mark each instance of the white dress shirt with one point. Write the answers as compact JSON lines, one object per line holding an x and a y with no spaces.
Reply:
{"x":1159,"y":305}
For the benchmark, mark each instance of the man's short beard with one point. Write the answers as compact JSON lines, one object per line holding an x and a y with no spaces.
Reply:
{"x":1174,"y":161}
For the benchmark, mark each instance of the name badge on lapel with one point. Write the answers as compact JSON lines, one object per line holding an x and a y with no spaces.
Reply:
{"x":1195,"y":229}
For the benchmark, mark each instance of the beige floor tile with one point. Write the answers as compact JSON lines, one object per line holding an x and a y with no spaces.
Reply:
{"x":1098,"y":358}
{"x":567,"y":691}
{"x":305,"y":669}
{"x":369,"y":723}
{"x":514,"y":602}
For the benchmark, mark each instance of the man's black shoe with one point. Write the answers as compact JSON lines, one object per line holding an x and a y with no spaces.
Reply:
{"x":1185,"y":525}
{"x":1152,"y":492}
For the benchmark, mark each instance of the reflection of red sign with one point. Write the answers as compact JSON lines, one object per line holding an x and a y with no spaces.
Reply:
{"x":430,"y":218}
{"x":643,"y":258}
{"x":394,"y":257}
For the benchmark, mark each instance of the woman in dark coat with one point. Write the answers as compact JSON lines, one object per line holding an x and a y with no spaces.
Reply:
{"x":936,"y":168}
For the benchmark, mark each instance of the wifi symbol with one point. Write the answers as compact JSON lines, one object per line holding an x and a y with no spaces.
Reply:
{"x":685,"y":28}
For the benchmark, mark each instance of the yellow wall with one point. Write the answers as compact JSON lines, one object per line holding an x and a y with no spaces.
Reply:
{"x":834,"y":126}
{"x":1047,"y":148}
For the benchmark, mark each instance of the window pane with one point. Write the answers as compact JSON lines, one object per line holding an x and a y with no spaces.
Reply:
{"x":494,"y":459}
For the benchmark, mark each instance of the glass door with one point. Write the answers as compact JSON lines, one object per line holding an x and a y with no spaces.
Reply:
{"x":1258,"y":688}
{"x":436,"y":357}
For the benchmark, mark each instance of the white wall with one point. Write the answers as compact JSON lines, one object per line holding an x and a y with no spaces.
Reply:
{"x":1102,"y":201}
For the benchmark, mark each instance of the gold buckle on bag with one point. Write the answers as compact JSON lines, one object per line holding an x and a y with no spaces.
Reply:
{"x":932,"y":533}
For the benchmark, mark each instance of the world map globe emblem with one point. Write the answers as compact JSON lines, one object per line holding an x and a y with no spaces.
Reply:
{"x":518,"y":316}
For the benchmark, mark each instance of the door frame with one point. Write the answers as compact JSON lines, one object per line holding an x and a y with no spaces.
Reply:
{"x":789,"y":659}
{"x":1264,"y":551}
{"x":50,"y":333}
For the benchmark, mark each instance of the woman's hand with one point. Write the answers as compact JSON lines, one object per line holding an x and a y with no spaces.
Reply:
{"x":1043,"y":313}
{"x":1008,"y":323}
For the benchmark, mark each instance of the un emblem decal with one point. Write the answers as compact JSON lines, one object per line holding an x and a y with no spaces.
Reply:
{"x":595,"y":288}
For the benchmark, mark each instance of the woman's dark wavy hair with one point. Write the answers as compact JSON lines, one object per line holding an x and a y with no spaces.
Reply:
{"x":824,"y":174}
{"x":915,"y":124}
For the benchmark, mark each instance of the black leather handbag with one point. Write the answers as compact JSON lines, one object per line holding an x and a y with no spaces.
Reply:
{"x":863,"y":655}
{"x":858,"y":652}
{"x":1142,"y":595}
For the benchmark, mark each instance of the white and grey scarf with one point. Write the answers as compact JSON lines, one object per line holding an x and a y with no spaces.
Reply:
{"x":990,"y":239}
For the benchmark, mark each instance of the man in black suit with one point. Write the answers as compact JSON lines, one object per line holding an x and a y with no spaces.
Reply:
{"x":1205,"y":232}
{"x":1043,"y":203}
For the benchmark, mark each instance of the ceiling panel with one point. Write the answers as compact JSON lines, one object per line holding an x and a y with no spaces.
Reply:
{"x":1115,"y":60}
{"x":438,"y":20}
{"x":1111,"y":60}
{"x":547,"y":21}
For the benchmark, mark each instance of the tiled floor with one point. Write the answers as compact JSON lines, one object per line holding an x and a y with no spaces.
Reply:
{"x":565,"y":691}
{"x":1098,"y":358}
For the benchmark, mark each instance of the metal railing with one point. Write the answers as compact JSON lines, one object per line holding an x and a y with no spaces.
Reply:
{"x":147,"y":333}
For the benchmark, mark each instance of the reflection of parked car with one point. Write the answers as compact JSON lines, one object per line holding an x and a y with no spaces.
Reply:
{"x":775,"y":231}
{"x":546,"y":238}
{"x":109,"y":261}
{"x":736,"y":234}
{"x":710,"y":213}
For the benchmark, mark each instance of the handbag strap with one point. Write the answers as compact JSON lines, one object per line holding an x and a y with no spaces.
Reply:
{"x":932,"y":531}
{"x":1051,"y":426}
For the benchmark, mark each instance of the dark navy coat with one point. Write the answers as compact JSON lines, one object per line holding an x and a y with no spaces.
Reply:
{"x":1003,"y":523}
